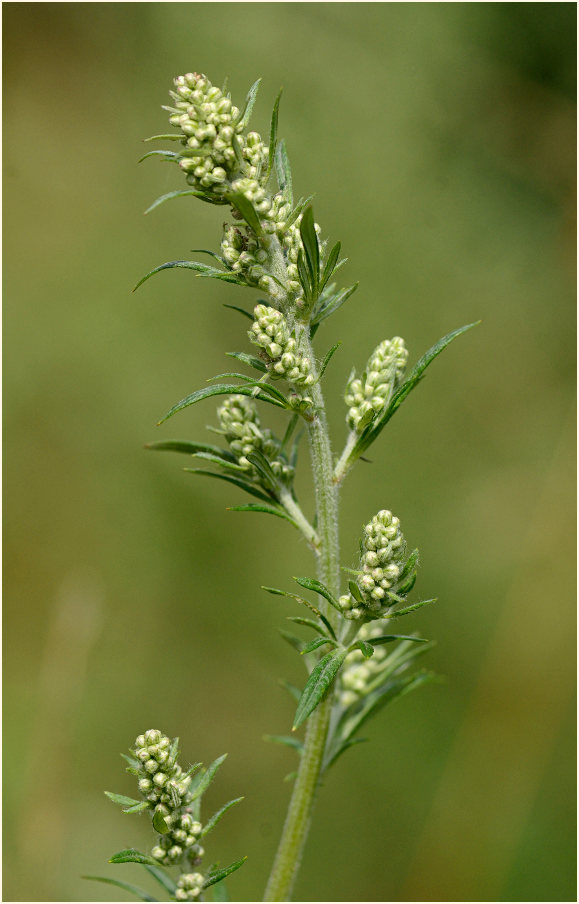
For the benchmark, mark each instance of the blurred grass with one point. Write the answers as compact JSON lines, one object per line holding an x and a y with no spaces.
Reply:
{"x":439,"y":139}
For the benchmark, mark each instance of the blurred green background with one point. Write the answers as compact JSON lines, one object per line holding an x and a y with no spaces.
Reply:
{"x":439,"y":139}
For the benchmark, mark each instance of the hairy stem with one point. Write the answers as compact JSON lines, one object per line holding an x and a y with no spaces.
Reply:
{"x":295,"y":831}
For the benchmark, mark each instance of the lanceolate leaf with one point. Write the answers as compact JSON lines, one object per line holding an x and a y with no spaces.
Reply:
{"x":273,"y":134}
{"x":217,"y":875}
{"x":132,"y":889}
{"x":331,"y":306}
{"x":211,"y":823}
{"x":159,"y":823}
{"x":311,"y":249}
{"x":283,"y":171}
{"x":411,"y":608}
{"x":165,"y":155}
{"x":250,"y":360}
{"x":239,"y":310}
{"x":247,"y":211}
{"x":189,"y":448}
{"x":198,"y":268}
{"x":388,"y":638}
{"x":161,"y":876}
{"x":315,"y":644}
{"x":318,"y":587}
{"x":122,"y":800}
{"x":318,"y":684}
{"x":328,"y":358}
{"x":205,"y":778}
{"x":243,"y":485}
{"x":288,"y":742}
{"x":179,"y":194}
{"x":392,"y":690}
{"x":131,"y":855}
{"x":339,"y":749}
{"x":330,"y":265}
{"x":372,"y":432}
{"x":249,"y":103}
{"x":265,"y":509}
{"x":206,"y":392}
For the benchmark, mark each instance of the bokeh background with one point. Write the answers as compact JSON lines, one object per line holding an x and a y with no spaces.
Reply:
{"x":439,"y":139}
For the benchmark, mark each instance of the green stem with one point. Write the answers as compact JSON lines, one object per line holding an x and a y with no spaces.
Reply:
{"x":295,"y":831}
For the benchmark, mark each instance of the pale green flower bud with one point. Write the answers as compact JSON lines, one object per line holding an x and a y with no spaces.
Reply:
{"x":270,"y":332}
{"x":372,"y":392}
{"x":189,"y":887}
{"x":239,"y":422}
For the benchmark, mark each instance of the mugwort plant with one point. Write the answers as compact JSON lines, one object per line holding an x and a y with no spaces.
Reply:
{"x":356,"y":662}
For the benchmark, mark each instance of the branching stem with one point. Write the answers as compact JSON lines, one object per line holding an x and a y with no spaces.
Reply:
{"x":295,"y":831}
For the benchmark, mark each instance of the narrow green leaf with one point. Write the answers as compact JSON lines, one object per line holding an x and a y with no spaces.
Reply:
{"x":167,"y":155}
{"x":243,"y":485}
{"x":261,"y":464}
{"x":229,"y":375}
{"x":318,"y":587}
{"x":132,"y":889}
{"x":189,"y":448}
{"x":245,"y":114}
{"x":203,"y":270}
{"x":340,"y":749}
{"x":415,"y":376}
{"x":315,"y":644}
{"x":266,"y":509}
{"x":133,"y":763}
{"x":335,"y":302}
{"x":273,"y":134}
{"x":408,"y":609}
{"x":250,"y":360}
{"x":205,"y":778}
{"x":304,"y":275}
{"x":247,"y":211}
{"x":138,"y":808}
{"x":222,"y":462}
{"x":330,"y":265}
{"x":219,"y":389}
{"x":122,"y":800}
{"x":311,"y":248}
{"x":211,"y":823}
{"x":318,"y":684}
{"x":239,"y":310}
{"x":392,"y":690}
{"x":131,"y":855}
{"x":298,"y":209}
{"x":293,"y":641}
{"x":283,"y":171}
{"x":388,"y":638}
{"x":327,"y":358}
{"x":292,"y":690}
{"x":173,"y":194}
{"x":172,"y":136}
{"x":308,"y":623}
{"x":283,"y":739}
{"x":294,"y":596}
{"x":161,"y":876}
{"x":216,"y":876}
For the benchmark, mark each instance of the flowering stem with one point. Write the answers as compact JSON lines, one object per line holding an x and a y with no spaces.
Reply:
{"x":295,"y":831}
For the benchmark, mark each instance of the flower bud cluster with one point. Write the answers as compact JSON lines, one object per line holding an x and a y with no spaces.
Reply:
{"x":164,"y":784}
{"x":189,"y":887}
{"x":241,"y":251}
{"x":213,"y":137}
{"x":381,"y":566}
{"x":241,"y":426}
{"x":371,"y":392}
{"x":358,"y":673}
{"x":270,"y":332}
